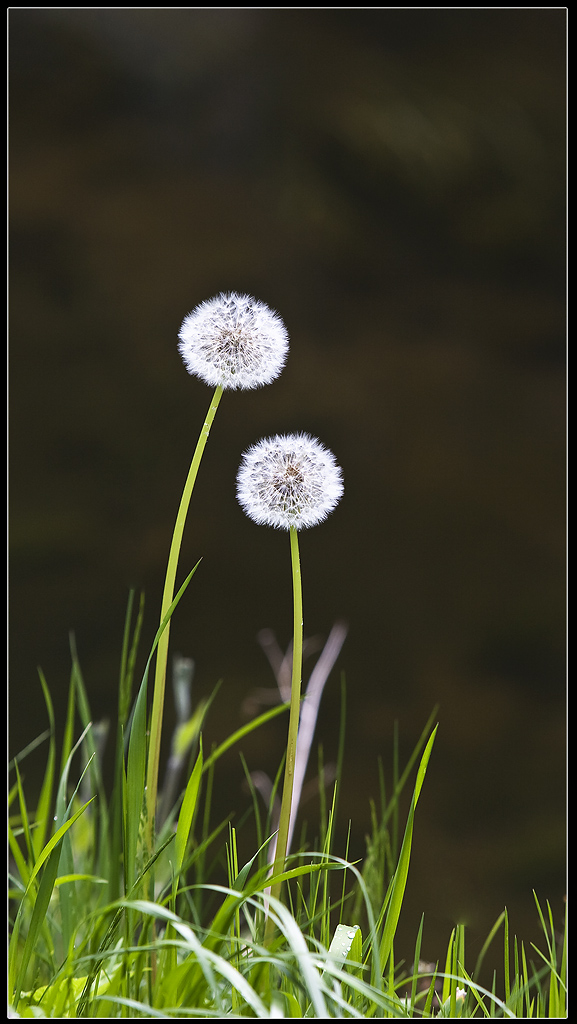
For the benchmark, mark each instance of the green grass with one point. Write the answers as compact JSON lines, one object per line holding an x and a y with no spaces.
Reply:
{"x":101,"y":926}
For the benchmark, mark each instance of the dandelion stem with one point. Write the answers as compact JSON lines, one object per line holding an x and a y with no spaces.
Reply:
{"x":167,"y":598}
{"x":285,"y":813}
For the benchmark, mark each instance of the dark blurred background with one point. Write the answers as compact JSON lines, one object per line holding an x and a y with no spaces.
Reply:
{"x":392,"y":181}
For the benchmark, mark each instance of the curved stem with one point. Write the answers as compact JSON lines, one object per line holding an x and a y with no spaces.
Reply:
{"x":167,"y":598}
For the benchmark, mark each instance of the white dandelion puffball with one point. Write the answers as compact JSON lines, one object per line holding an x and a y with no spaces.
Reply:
{"x":289,"y":480}
{"x":233,"y":341}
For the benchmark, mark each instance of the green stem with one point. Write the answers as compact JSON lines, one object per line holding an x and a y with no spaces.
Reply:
{"x":167,"y":598}
{"x":285,"y":813}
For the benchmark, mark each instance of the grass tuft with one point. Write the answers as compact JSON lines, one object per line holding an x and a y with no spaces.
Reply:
{"x":102,"y":928}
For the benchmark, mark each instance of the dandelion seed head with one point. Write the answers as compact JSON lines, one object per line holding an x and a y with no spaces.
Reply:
{"x":289,"y":480}
{"x":233,"y":341}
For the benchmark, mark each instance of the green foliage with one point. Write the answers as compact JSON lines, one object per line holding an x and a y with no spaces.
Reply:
{"x":102,"y":928}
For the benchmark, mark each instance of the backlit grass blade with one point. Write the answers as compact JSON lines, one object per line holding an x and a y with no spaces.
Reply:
{"x":186,"y":815}
{"x":68,"y":736}
{"x":562,"y":1007}
{"x":128,"y":658}
{"x":399,"y":881}
{"x":487,"y":943}
{"x":19,"y":859}
{"x":43,"y":807}
{"x":28,"y":749}
{"x":427,"y":1010}
{"x":415,"y":977}
{"x":24,"y":819}
{"x":506,"y":976}
{"x":96,"y":783}
{"x":116,"y":814}
{"x":134,"y":786}
{"x":63,"y":805}
{"x":398,"y":788}
{"x":448,"y":965}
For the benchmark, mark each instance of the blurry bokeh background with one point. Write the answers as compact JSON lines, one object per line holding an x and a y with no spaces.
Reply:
{"x":393,"y":183}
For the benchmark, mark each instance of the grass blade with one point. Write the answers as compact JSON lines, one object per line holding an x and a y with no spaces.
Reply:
{"x":399,"y":882}
{"x":45,"y":798}
{"x":187,"y":811}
